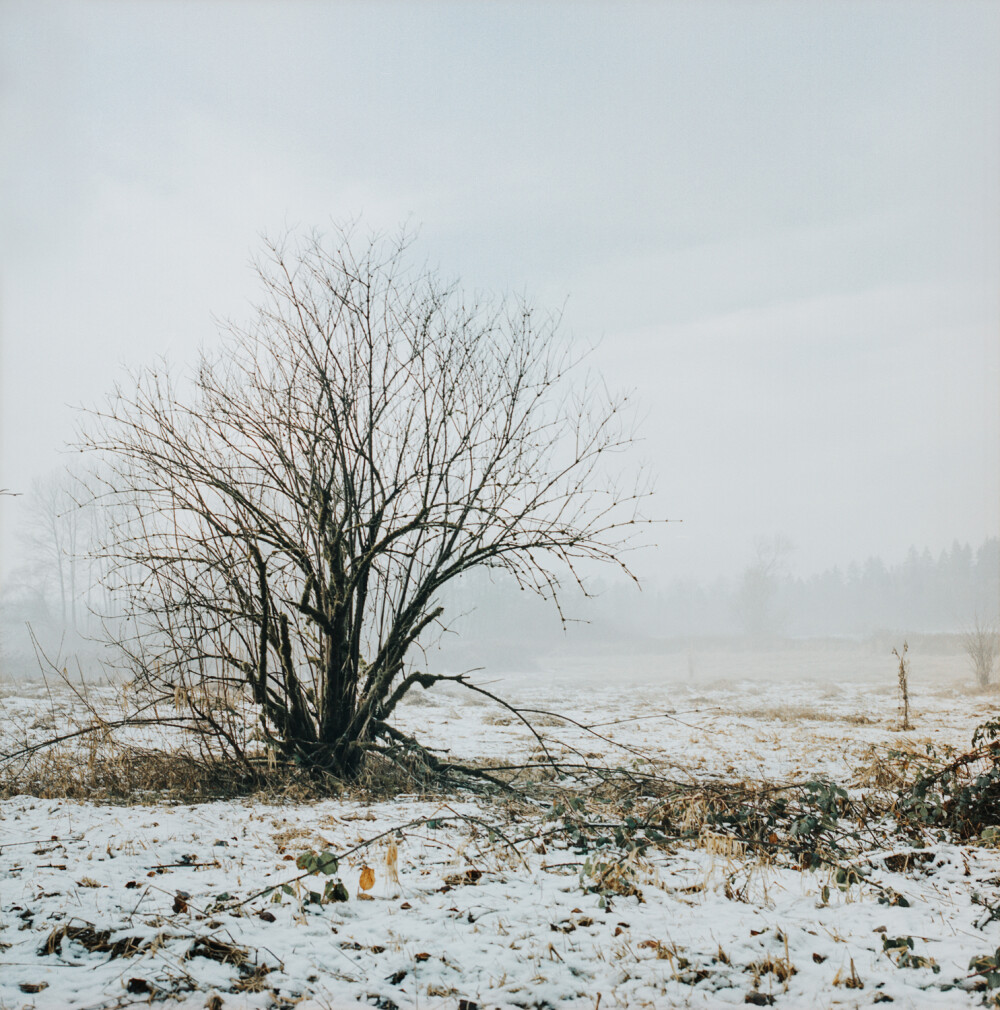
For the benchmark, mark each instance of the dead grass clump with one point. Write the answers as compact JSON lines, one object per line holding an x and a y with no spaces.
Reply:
{"x":805,"y":713}
{"x":508,"y":719}
{"x":99,"y":941}
{"x":498,"y":719}
{"x":383,"y":778}
{"x":218,"y":950}
{"x":92,"y":940}
{"x":119,"y":774}
{"x":721,"y":845}
{"x":255,"y":980}
{"x":447,"y":691}
{"x":547,"y":720}
{"x":884,"y":770}
{"x":110,"y":772}
{"x":849,"y":979}
{"x":690,"y":812}
{"x":780,"y":967}
{"x":417,"y":699}
{"x":615,"y":877}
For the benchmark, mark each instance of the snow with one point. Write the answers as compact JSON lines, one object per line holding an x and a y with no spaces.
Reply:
{"x":525,"y":931}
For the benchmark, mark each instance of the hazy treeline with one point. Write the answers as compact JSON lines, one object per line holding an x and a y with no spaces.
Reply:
{"x":921,"y":593}
{"x":53,"y":593}
{"x":55,"y":590}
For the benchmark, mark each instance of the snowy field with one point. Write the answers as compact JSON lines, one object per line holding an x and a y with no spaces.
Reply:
{"x":485,"y":906}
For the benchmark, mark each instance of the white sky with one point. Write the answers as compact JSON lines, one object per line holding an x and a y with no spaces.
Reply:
{"x":782,"y":219}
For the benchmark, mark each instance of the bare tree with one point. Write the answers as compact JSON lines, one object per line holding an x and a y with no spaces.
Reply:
{"x":369,"y":437}
{"x":55,"y":539}
{"x":758,"y":588}
{"x":982,"y":645}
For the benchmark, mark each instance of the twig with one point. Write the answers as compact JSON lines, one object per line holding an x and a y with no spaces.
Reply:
{"x":417,"y":822}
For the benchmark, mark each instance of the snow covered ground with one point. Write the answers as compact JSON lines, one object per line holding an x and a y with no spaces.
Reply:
{"x":111,"y":906}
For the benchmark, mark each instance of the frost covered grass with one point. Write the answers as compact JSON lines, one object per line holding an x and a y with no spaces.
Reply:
{"x":458,"y":900}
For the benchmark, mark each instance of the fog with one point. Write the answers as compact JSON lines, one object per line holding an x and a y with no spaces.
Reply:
{"x":778,"y":225}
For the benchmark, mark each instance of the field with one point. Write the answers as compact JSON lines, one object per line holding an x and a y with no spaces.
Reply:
{"x":457,"y":899}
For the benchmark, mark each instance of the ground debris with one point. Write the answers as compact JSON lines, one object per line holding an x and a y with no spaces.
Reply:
{"x":95,"y":941}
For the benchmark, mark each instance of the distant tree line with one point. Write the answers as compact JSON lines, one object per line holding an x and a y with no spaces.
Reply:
{"x":492,"y":623}
{"x":921,"y":593}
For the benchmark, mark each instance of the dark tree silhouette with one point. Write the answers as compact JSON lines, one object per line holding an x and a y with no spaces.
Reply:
{"x":296,"y":509}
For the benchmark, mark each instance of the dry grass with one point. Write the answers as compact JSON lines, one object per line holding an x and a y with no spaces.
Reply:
{"x":382,"y":778}
{"x":417,"y":698}
{"x":507,"y":719}
{"x":111,"y":773}
{"x":499,"y":719}
{"x":805,"y":713}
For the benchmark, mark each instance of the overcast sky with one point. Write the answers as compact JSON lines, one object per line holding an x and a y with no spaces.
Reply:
{"x":782,"y":221}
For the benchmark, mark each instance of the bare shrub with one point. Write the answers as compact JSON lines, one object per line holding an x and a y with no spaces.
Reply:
{"x":758,"y":588}
{"x":289,"y":522}
{"x":982,"y":646}
{"x":903,"y":676}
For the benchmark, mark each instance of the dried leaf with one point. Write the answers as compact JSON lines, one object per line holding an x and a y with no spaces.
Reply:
{"x":367,"y":878}
{"x":392,"y":863}
{"x":467,"y":878}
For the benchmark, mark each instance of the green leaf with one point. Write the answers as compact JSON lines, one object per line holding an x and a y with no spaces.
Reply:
{"x":326,"y":863}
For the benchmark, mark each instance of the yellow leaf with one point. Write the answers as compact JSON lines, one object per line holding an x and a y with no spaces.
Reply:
{"x":367,"y":878}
